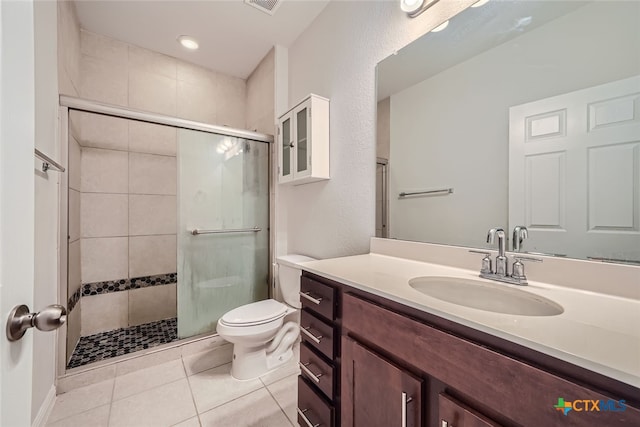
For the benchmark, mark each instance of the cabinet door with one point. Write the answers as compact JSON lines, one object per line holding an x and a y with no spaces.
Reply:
{"x":302,"y":140}
{"x":375,"y":392}
{"x":452,"y":413}
{"x":285,"y":149}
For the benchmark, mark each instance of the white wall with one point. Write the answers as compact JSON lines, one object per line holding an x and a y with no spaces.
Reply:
{"x":46,"y":201}
{"x":336,"y":58}
{"x":450,"y":131}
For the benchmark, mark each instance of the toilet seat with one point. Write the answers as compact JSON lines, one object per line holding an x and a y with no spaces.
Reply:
{"x":254,"y":314}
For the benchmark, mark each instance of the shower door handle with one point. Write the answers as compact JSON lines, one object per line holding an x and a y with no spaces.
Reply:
{"x":20,"y":319}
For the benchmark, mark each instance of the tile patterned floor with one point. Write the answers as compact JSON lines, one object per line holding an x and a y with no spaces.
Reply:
{"x":105,"y":345}
{"x":188,"y":392}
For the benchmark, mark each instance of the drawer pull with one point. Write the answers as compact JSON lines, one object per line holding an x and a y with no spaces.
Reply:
{"x":405,"y":401}
{"x":307,"y":371}
{"x":305,"y":331}
{"x":307,"y":296}
{"x":302,"y":412}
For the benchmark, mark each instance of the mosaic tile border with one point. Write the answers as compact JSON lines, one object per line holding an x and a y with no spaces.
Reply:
{"x":73,"y":300}
{"x":105,"y":345}
{"x":99,"y":288}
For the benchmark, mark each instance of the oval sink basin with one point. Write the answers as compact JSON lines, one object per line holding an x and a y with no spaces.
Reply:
{"x":485,"y":296}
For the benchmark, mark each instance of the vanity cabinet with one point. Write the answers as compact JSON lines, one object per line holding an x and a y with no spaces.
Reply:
{"x":378,"y":393}
{"x":303,"y":142}
{"x":318,"y":383}
{"x":489,"y":388}
{"x":394,"y":365}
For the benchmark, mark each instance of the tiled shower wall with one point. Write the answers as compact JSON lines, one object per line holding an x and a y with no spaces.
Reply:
{"x":122,"y":173}
{"x":128,"y":218}
{"x":68,"y":82}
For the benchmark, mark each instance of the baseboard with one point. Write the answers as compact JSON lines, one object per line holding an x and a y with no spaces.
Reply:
{"x":45,"y":408}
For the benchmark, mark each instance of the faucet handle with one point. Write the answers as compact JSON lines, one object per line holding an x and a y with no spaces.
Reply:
{"x":518,"y":268}
{"x":486,"y":261}
{"x":526,"y":258}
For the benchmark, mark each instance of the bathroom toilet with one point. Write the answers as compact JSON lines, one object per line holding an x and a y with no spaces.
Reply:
{"x":261,"y":338}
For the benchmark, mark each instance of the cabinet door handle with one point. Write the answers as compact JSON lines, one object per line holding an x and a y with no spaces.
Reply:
{"x":308,"y":422}
{"x":307,"y":296}
{"x":307,"y":371}
{"x":291,"y":144}
{"x":444,"y":424}
{"x":405,"y":401}
{"x":305,"y":331}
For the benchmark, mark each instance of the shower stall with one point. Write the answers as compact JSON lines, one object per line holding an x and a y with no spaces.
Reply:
{"x":168,"y":228}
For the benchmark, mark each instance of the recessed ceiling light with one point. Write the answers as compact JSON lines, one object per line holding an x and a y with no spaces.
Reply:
{"x":480,"y":3}
{"x":188,"y":42}
{"x":440,"y":27}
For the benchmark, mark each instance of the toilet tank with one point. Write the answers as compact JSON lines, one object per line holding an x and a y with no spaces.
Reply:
{"x":288,"y":280}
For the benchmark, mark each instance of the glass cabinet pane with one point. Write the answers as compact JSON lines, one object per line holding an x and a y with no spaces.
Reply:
{"x":301,"y":123}
{"x":286,"y":147}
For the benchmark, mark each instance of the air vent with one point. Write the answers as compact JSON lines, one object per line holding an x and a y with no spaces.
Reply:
{"x":266,"y":6}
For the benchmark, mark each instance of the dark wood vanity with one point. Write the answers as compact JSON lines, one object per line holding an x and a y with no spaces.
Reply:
{"x":369,"y":361}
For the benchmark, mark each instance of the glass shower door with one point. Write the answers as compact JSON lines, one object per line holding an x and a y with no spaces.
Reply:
{"x":223,"y":193}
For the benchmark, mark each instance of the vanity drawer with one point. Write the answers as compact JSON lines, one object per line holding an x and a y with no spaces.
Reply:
{"x":313,"y":410}
{"x":317,"y":333}
{"x":312,"y":365}
{"x":318,"y":297}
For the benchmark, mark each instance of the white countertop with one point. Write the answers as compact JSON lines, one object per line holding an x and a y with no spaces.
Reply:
{"x":596,"y":331}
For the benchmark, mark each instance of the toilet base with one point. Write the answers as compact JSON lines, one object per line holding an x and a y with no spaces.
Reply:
{"x":251,"y":362}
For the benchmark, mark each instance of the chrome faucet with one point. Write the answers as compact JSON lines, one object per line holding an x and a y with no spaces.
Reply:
{"x":501,"y":273}
{"x":501,"y":260}
{"x":520,"y":233}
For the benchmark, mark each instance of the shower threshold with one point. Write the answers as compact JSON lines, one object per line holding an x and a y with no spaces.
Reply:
{"x":105,"y":345}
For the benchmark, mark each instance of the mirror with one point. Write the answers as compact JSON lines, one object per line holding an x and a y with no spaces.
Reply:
{"x":518,"y":113}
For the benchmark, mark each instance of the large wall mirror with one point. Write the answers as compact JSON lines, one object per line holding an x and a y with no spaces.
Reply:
{"x":518,"y":113}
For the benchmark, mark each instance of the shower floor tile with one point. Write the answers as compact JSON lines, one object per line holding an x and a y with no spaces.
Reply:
{"x":114,"y":343}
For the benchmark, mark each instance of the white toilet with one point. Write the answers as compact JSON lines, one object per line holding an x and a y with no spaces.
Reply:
{"x":261,"y":339}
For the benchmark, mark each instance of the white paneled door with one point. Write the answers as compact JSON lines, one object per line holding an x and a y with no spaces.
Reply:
{"x":574,"y":172}
{"x":17,"y":141}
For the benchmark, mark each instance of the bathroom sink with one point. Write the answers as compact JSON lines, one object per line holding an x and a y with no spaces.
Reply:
{"x":485,"y":296}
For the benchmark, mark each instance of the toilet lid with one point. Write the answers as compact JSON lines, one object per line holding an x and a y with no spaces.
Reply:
{"x":255,"y":313}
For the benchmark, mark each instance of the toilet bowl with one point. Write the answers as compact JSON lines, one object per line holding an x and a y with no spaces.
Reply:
{"x":262,"y":340}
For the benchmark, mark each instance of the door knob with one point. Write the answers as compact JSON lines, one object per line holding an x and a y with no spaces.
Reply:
{"x":20,"y":319}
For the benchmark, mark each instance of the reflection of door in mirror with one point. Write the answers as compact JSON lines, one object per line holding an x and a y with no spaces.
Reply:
{"x":574,"y":172}
{"x":381,"y":198}
{"x":383,"y":141}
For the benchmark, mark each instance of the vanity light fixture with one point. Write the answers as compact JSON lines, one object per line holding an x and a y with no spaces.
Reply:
{"x":440,"y":27}
{"x":480,"y":3}
{"x":188,"y":42}
{"x":416,"y":7}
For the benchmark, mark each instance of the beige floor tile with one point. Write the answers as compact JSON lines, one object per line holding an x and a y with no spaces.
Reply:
{"x":191,"y":422}
{"x":81,"y":400}
{"x":216,"y":386}
{"x":162,"y":406}
{"x":97,"y":417}
{"x":285,"y":392}
{"x":146,"y":379}
{"x":264,"y":412}
{"x":204,"y":360}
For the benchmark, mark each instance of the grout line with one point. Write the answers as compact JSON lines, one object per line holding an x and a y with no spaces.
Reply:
{"x":113,"y":389}
{"x":145,"y":390}
{"x":278,"y":403}
{"x":48,"y":423}
{"x":193,"y":398}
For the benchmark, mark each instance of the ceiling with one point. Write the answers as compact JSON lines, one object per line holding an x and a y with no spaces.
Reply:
{"x":233,"y":36}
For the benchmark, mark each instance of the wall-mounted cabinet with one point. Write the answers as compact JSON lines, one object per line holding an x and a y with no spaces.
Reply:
{"x":303,"y":142}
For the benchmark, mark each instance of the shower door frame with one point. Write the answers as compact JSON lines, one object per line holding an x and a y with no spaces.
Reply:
{"x":67,"y":103}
